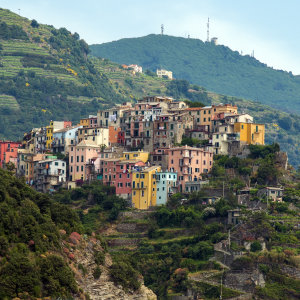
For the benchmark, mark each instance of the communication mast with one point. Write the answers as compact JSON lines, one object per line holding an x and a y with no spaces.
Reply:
{"x":207,"y":30}
{"x":162,"y":29}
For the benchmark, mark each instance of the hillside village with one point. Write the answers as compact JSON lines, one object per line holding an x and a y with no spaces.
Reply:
{"x":148,"y":150}
{"x":182,"y":194}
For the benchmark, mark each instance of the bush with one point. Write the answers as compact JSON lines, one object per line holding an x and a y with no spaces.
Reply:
{"x":97,"y":272}
{"x":99,"y":257}
{"x":34,"y":24}
{"x":255,"y":246}
{"x":124,"y":274}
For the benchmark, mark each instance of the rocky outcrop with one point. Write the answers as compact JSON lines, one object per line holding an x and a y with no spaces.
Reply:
{"x":82,"y":249}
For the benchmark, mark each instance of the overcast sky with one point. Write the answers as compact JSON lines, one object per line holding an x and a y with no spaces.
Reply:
{"x":269,"y":27}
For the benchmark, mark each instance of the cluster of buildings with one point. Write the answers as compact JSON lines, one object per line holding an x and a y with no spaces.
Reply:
{"x":137,"y":148}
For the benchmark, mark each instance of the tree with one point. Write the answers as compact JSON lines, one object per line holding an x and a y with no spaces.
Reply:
{"x":255,"y":246}
{"x":34,"y":24}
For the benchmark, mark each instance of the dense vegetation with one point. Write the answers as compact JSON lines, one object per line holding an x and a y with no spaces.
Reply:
{"x":217,"y":68}
{"x":45,"y":74}
{"x":30,"y":242}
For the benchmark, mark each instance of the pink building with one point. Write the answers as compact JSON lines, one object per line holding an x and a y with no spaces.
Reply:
{"x":117,"y":172}
{"x":93,"y":121}
{"x":79,"y":157}
{"x":189,"y":163}
{"x":109,"y":170}
{"x":124,"y":176}
{"x":8,"y":152}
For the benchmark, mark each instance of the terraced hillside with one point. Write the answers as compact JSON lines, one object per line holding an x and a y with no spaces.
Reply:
{"x":45,"y":74}
{"x":281,"y":127}
{"x":216,"y":67}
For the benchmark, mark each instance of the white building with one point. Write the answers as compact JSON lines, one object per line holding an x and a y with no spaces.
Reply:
{"x":136,"y":68}
{"x":49,"y":174}
{"x":161,"y":73}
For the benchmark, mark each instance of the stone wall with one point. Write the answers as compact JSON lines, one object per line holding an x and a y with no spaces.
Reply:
{"x":245,"y":281}
{"x":132,"y":227}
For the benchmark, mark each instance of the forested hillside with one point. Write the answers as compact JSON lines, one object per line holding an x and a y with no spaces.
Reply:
{"x":45,"y":74}
{"x":216,"y":68}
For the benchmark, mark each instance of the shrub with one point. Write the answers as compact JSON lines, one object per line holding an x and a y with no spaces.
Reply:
{"x":34,"y":24}
{"x":124,"y":274}
{"x":255,"y":246}
{"x":99,"y":257}
{"x":97,"y":272}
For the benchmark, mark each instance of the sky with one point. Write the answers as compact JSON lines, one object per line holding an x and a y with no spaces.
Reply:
{"x":268,"y":27}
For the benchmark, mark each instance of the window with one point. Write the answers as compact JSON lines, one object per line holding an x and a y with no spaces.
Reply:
{"x":256,"y":128}
{"x":81,"y":168}
{"x":133,"y":184}
{"x":81,"y":158}
{"x":77,"y":158}
{"x":142,"y":184}
{"x":120,"y":175}
{"x":137,"y":175}
{"x":242,"y":126}
{"x":204,"y":120}
{"x":133,"y":193}
{"x":77,"y":168}
{"x":143,"y":193}
{"x":71,"y":169}
{"x":71,"y":159}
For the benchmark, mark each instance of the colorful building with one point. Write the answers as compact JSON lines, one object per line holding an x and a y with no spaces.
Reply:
{"x":64,"y":138}
{"x":99,"y":135}
{"x":124,"y":169}
{"x":251,"y":133}
{"x":137,"y":155}
{"x":49,"y":174}
{"x":8,"y":152}
{"x":113,"y":135}
{"x":54,"y":126}
{"x":79,"y":157}
{"x":189,"y":163}
{"x":144,"y":187}
{"x":166,"y":185}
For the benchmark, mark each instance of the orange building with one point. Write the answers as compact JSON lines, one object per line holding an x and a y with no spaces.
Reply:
{"x":113,"y":135}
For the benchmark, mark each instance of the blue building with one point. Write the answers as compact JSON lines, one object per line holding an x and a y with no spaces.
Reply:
{"x":166,"y":185}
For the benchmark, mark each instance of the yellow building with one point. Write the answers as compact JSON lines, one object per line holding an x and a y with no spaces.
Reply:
{"x":144,"y":187}
{"x":251,"y":133}
{"x":138,"y":155}
{"x":85,"y":122}
{"x":49,"y":135}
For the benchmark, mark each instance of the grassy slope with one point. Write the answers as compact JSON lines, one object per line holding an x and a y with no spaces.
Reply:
{"x":217,"y":68}
{"x":46,"y":76}
{"x":132,"y":86}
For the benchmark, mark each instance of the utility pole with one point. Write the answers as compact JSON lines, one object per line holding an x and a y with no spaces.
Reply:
{"x":19,"y":11}
{"x":221,"y":288}
{"x":223,"y":189}
{"x":162,"y":29}
{"x":207,"y":30}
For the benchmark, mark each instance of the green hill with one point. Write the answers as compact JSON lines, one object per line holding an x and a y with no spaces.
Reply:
{"x":45,"y":74}
{"x":216,"y":68}
{"x":281,"y":127}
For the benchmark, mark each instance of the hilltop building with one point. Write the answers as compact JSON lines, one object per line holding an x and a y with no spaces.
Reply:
{"x":164,"y":73}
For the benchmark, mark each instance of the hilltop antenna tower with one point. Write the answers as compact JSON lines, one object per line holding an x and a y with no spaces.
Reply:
{"x":162,"y":29}
{"x":207,"y":30}
{"x":19,"y":11}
